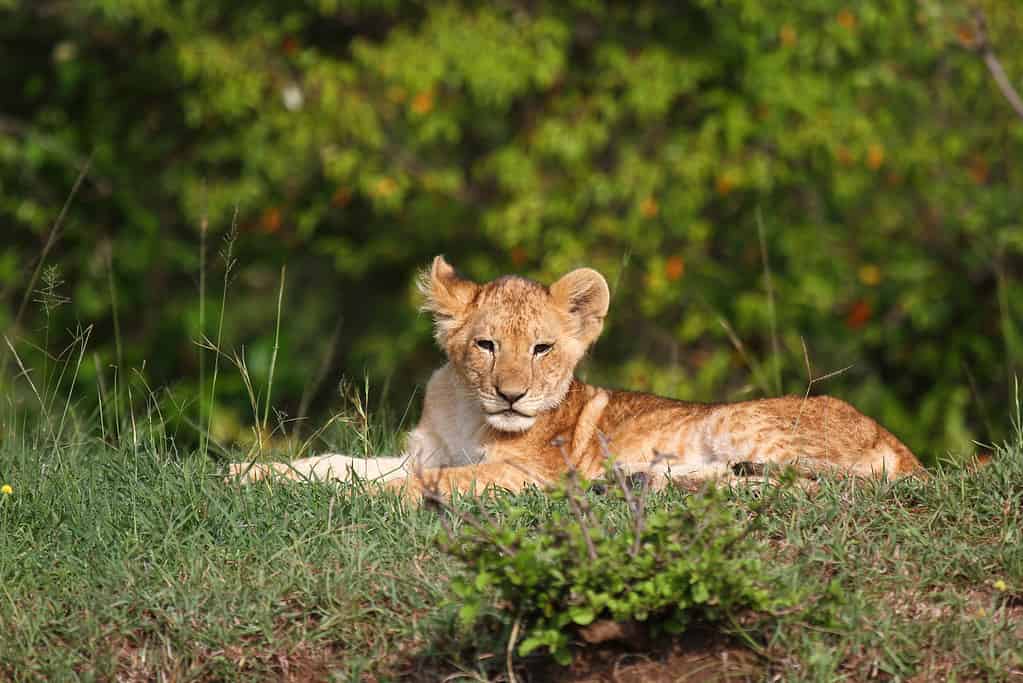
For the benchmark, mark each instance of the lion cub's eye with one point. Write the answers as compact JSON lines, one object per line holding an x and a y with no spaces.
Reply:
{"x":541,"y":349}
{"x":485,"y":344}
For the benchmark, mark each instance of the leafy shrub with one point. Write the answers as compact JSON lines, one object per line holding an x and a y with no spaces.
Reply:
{"x":357,"y":139}
{"x":664,"y":567}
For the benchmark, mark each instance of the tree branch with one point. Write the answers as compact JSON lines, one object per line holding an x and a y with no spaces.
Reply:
{"x":986,"y":51}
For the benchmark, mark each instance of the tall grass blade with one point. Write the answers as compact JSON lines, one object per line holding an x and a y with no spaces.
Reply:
{"x":227,"y":254}
{"x":276,"y":348}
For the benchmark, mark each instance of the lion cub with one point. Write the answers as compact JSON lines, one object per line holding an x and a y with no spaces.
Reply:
{"x":506,"y":410}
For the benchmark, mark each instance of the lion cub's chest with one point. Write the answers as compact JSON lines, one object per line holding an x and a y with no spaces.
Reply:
{"x":447,"y":443}
{"x":463,"y":436}
{"x":452,"y":427}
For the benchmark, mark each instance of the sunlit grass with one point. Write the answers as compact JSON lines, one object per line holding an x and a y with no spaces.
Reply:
{"x":134,"y":561}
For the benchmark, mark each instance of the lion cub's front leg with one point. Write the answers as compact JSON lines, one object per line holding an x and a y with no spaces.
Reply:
{"x":509,"y":475}
{"x":423,"y":449}
{"x":331,"y":467}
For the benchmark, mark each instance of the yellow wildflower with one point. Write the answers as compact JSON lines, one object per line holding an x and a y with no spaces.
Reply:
{"x":870,"y":274}
{"x":787,"y":34}
{"x":6,"y":489}
{"x":385,"y":187}
{"x":649,"y":208}
{"x":1000,"y":585}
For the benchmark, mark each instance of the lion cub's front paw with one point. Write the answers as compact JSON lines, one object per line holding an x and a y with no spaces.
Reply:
{"x":246,"y":472}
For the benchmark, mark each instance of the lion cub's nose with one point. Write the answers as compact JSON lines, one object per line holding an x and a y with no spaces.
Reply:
{"x":511,"y":395}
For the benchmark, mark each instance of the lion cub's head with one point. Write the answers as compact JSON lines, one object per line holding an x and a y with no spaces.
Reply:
{"x":515,"y":342}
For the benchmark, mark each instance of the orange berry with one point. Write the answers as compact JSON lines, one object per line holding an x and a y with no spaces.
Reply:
{"x":649,"y":207}
{"x":422,"y":103}
{"x":674,"y":268}
{"x":967,"y":38}
{"x":724,"y":184}
{"x":858,"y":315}
{"x":271,"y":220}
{"x":875,"y":156}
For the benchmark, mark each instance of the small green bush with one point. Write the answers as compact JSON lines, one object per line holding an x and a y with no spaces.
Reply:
{"x":664,"y":567}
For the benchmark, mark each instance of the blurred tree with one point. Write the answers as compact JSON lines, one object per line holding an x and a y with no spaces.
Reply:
{"x":358,"y":138}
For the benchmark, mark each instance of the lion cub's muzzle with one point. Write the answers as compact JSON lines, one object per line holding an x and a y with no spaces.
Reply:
{"x":510,"y":421}
{"x":507,"y":415}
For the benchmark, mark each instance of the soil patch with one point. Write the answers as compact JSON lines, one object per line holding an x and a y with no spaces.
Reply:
{"x":698,"y":656}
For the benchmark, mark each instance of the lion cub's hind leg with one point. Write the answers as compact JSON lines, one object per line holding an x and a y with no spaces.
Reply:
{"x":670,"y":471}
{"x":660,"y":475}
{"x":815,"y":434}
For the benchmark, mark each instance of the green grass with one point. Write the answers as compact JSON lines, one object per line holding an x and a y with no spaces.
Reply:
{"x":118,"y":562}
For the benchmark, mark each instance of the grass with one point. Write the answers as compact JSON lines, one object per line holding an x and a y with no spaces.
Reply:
{"x":136,"y":562}
{"x":115,"y":562}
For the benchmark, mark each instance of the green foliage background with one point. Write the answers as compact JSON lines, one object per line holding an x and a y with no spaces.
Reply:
{"x":357,"y":139}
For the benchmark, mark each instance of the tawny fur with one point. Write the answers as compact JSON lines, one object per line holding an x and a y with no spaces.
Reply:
{"x":506,"y":411}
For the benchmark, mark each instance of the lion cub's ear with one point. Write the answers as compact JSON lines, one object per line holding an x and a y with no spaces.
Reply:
{"x":585,"y":295}
{"x":448,"y":296}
